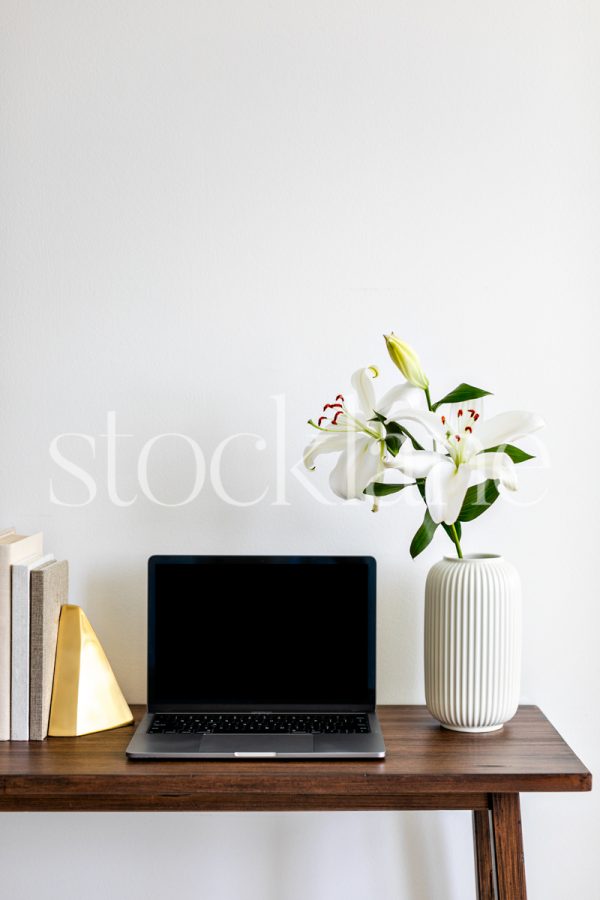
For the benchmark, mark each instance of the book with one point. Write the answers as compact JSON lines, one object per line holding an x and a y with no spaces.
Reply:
{"x":13,"y":549}
{"x":49,"y":591}
{"x":20,"y":614}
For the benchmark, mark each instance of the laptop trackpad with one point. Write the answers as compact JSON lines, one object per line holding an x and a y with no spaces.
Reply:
{"x":257,"y":743}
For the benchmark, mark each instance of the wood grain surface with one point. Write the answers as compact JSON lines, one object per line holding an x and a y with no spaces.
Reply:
{"x":485,"y":866}
{"x":426,"y":767}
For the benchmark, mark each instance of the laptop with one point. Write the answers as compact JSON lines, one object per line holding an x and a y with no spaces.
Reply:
{"x":260,"y":657}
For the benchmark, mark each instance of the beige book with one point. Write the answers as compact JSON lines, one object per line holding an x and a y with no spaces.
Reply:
{"x":20,"y":607}
{"x":49,"y":591}
{"x":13,"y":549}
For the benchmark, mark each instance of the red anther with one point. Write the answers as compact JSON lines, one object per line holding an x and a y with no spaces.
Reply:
{"x":443,"y":420}
{"x":322,"y":419}
{"x":471,"y":412}
{"x":340,"y":397}
{"x":460,"y":412}
{"x":332,"y":406}
{"x":469,"y":429}
{"x":340,"y":412}
{"x":476,"y":416}
{"x":457,"y":436}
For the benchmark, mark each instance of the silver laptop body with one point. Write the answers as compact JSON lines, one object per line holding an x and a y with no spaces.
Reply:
{"x":260,"y":657}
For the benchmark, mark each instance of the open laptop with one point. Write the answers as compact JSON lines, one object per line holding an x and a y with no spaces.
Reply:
{"x":254,"y":657}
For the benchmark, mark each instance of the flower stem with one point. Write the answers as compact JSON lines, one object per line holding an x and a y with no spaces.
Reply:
{"x":456,"y":541}
{"x":428,"y":398}
{"x":430,"y":408}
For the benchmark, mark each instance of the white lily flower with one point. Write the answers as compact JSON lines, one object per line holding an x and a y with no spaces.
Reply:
{"x":352,"y":433}
{"x":465,"y":440}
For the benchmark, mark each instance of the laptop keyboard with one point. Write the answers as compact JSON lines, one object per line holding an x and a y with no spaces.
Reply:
{"x":260,"y":723}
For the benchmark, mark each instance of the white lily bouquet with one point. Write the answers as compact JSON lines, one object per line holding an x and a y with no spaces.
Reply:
{"x":458,"y":478}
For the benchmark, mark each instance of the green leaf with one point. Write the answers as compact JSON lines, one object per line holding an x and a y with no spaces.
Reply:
{"x":378,"y":417}
{"x":395,"y":437}
{"x":395,"y":428}
{"x":393,"y":442}
{"x":379,"y":489}
{"x":460,"y":393}
{"x":516,"y":454}
{"x":423,"y":536}
{"x":477,"y":499}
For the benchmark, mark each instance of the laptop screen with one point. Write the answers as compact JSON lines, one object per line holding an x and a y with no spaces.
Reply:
{"x":261,"y":633}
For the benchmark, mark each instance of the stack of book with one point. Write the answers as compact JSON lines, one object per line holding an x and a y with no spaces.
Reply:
{"x":33,"y":587}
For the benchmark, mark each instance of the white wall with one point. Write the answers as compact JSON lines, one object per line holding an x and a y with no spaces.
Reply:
{"x":206,"y":204}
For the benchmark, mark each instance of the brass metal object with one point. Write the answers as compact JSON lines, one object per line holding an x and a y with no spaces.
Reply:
{"x":85,"y":694}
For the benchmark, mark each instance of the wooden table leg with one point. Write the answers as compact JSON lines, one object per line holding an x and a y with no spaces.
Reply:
{"x":507,"y":840}
{"x":485,"y":870}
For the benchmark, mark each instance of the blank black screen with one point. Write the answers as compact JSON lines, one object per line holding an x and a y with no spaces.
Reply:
{"x":233,"y":632}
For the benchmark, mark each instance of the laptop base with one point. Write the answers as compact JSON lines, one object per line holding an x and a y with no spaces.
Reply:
{"x":256,"y":746}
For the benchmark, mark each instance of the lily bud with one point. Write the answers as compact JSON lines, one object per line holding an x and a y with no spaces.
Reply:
{"x":407,"y":361}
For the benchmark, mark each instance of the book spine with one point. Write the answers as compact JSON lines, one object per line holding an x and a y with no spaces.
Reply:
{"x":49,"y":590}
{"x":37,"y":732}
{"x":10,"y":553}
{"x":19,"y":701}
{"x":5,"y":636}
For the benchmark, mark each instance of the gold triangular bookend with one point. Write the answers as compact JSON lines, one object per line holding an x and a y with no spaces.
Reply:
{"x":85,"y":693}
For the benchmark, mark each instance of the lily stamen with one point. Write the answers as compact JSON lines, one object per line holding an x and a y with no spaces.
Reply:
{"x":337,"y":430}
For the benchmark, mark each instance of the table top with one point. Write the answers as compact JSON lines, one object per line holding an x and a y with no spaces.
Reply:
{"x":426,"y":767}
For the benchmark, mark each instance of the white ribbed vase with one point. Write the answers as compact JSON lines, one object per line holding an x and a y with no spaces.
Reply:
{"x":472,"y":642}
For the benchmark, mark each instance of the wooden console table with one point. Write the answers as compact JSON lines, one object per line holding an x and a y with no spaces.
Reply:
{"x":426,"y":768}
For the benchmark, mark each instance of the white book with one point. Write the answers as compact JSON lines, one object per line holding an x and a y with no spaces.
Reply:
{"x":13,"y":549}
{"x":21,"y":612}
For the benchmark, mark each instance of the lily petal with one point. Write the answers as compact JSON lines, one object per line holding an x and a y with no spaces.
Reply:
{"x":507,"y":427}
{"x":355,"y":469}
{"x":329,"y":442}
{"x":414,"y":463}
{"x":362,"y":382}
{"x":430,"y":421}
{"x":445,"y":490}
{"x":404,"y":394}
{"x":498,"y":466}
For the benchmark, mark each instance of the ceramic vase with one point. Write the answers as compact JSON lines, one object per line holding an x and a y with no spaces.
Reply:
{"x":472,"y":642}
